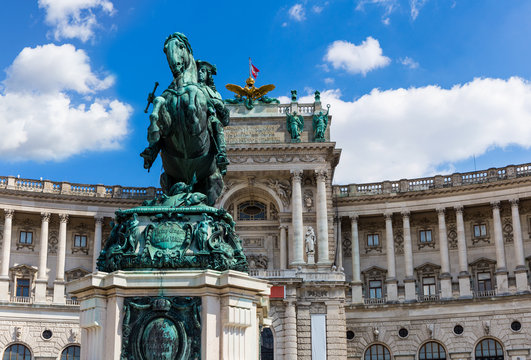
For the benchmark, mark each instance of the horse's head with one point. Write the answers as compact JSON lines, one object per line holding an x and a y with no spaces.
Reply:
{"x":180,"y":58}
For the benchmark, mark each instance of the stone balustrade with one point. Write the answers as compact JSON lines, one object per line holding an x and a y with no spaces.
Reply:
{"x":434,"y":182}
{"x":85,"y":190}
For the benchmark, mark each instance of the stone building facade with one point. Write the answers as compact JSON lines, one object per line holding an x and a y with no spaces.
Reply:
{"x":433,"y":268}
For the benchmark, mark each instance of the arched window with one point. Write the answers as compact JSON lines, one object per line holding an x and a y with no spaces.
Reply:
{"x":432,"y":351}
{"x":252,"y":210}
{"x":377,"y":352}
{"x":71,"y":353}
{"x":17,"y":352}
{"x":267,"y":346}
{"x":489,"y":349}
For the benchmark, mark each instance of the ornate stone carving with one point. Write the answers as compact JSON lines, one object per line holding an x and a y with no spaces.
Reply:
{"x":507,"y":228}
{"x":273,"y":212}
{"x":53,"y":241}
{"x":74,"y":274}
{"x":257,"y":261}
{"x":9,"y":213}
{"x":281,"y":188}
{"x":284,"y":158}
{"x":309,"y":240}
{"x":399,"y":241}
{"x":346,"y":245}
{"x":308,"y":158}
{"x":238,"y":159}
{"x":45,"y":217}
{"x":452,"y":236}
{"x":317,"y":293}
{"x":308,"y":199}
{"x":296,"y":175}
{"x":63,"y":218}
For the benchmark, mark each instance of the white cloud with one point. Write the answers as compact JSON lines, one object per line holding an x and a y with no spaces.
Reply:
{"x":43,"y":114}
{"x":407,"y":133}
{"x":416,"y":5}
{"x":329,"y":81}
{"x":74,"y":19}
{"x":297,"y":13}
{"x":356,"y":59}
{"x":317,"y":9}
{"x":409,"y":62}
{"x":388,"y":5}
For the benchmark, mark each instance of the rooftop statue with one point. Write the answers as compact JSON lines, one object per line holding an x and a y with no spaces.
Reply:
{"x":320,"y":122}
{"x":186,"y":124}
{"x":180,"y":229}
{"x":295,"y":125}
{"x":249,"y":94}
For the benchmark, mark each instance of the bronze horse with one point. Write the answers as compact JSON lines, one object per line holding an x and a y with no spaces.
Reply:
{"x":180,"y":127}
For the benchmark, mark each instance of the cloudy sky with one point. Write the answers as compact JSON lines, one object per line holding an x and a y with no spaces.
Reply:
{"x":416,"y":87}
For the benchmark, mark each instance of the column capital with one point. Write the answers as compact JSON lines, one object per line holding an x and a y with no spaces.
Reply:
{"x":285,"y":227}
{"x":9,"y":213}
{"x":296,"y":175}
{"x":388,"y":215}
{"x":458,"y":209}
{"x":405,"y":213}
{"x":441,"y":211}
{"x":495,"y":205}
{"x":45,"y":216}
{"x":321,"y":174}
{"x":514,"y":202}
{"x":98,"y":219}
{"x":354,"y":217}
{"x":63,"y":218}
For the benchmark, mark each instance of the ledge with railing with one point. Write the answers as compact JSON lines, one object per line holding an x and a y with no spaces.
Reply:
{"x":313,"y":276}
{"x":84,"y":190}
{"x":434,"y":182}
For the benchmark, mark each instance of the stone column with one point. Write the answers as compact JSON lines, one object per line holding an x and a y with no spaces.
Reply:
{"x":59,"y":283}
{"x":391,"y":282}
{"x":520,"y":270}
{"x":409,"y":281}
{"x":290,"y":331}
{"x":97,"y":241}
{"x":282,"y":246}
{"x":502,"y":285}
{"x":321,"y":215}
{"x":357,"y":288}
{"x":339,"y":249}
{"x":6,"y":252}
{"x":445,"y":277}
{"x":296,"y":208}
{"x":464,"y":275}
{"x":42,"y":280}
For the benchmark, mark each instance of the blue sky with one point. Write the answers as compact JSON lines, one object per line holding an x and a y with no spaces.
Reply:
{"x":417,"y":87}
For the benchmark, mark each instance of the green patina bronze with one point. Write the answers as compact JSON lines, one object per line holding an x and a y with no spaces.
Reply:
{"x":181,"y":229}
{"x":186,"y":124}
{"x":320,"y":122}
{"x":161,"y":328}
{"x":295,"y":125}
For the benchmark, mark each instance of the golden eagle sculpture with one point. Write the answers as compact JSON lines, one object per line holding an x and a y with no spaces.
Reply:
{"x":250,"y":93}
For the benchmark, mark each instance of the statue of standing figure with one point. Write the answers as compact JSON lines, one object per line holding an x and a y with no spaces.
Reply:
{"x":295,"y":125}
{"x":309,"y":240}
{"x":320,"y":122}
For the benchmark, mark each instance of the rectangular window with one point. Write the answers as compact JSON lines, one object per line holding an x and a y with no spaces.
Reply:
{"x":425,"y":236}
{"x":80,"y":241}
{"x":480,"y":230}
{"x":373,"y":240}
{"x":484,"y":281}
{"x":375,"y":289}
{"x":23,"y":287}
{"x":428,"y":286}
{"x":26,"y":237}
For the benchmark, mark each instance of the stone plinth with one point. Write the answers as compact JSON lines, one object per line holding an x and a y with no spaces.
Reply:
{"x":233,"y":306}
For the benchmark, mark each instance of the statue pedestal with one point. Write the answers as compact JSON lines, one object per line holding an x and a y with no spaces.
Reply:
{"x":232,"y":307}
{"x":311,"y":259}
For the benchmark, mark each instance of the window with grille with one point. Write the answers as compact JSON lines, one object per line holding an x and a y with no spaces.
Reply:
{"x":373,"y":240}
{"x":375,"y":289}
{"x":17,"y":352}
{"x":484,"y":281}
{"x":80,"y":241}
{"x":425,"y":236}
{"x":432,"y":351}
{"x":26,"y":237}
{"x":429,"y":286}
{"x":252,"y":210}
{"x":489,"y":349}
{"x":377,"y":352}
{"x":23,"y":287}
{"x":71,"y":353}
{"x":480,"y":230}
